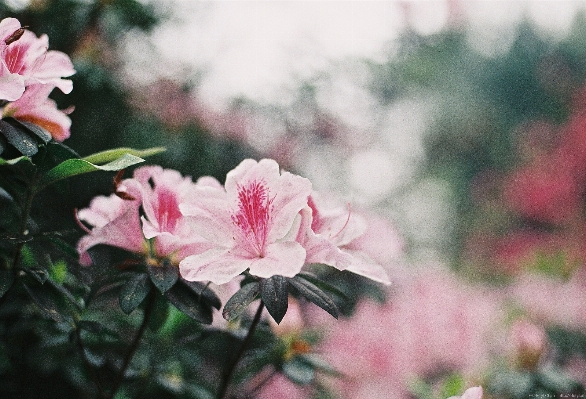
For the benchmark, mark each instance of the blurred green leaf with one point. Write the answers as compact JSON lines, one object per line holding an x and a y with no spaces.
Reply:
{"x":163,"y":276}
{"x":74,"y":167}
{"x":159,"y":314}
{"x":314,"y":295}
{"x":113,"y":154}
{"x":299,"y":371}
{"x":275,"y":295}
{"x":133,"y":292}
{"x":49,"y":300}
{"x":240,"y":300}
{"x":189,"y":303}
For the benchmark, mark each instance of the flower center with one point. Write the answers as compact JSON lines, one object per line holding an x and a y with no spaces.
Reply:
{"x":167,"y":212}
{"x":254,"y":214}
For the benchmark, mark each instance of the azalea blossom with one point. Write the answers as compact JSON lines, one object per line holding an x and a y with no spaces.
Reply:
{"x":36,"y":107}
{"x":25,"y":60}
{"x":327,"y":233}
{"x":252,"y":223}
{"x":161,"y":232}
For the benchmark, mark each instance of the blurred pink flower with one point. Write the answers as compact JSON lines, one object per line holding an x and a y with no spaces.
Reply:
{"x":249,"y":222}
{"x":433,"y":323}
{"x":24,"y":60}
{"x":117,"y":221}
{"x":327,"y":232}
{"x":528,"y":342}
{"x":470,"y":393}
{"x":280,"y":387}
{"x":36,"y":107}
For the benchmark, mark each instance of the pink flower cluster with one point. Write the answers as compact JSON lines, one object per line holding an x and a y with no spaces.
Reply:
{"x":261,"y":220}
{"x":28,"y":74}
{"x":434,"y":323}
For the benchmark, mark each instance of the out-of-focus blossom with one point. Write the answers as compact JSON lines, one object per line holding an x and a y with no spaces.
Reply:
{"x":280,"y":387}
{"x":470,"y":393}
{"x":164,"y":232}
{"x":36,"y":107}
{"x":529,"y":341}
{"x":249,"y":222}
{"x":24,"y":60}
{"x":326,"y":234}
{"x":534,"y":293}
{"x":434,"y":323}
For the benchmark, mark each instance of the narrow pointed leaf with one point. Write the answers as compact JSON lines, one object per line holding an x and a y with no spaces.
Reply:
{"x":74,"y":167}
{"x":315,"y":295}
{"x":205,"y":292}
{"x":13,"y":161}
{"x":6,"y":281}
{"x":240,"y":301}
{"x":275,"y":295}
{"x":164,"y":276}
{"x":20,"y":139}
{"x":133,"y":292}
{"x":113,"y":154}
{"x":187,"y":301}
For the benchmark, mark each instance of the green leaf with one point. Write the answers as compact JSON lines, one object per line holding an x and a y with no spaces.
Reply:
{"x":240,"y":300}
{"x":13,"y":161}
{"x":133,"y":292}
{"x":91,"y":326}
{"x":49,"y":300}
{"x":299,"y":371}
{"x":20,"y":139}
{"x":6,"y":281}
{"x":113,"y":154}
{"x":204,"y":291}
{"x":315,"y":295}
{"x":275,"y":295}
{"x":31,"y":128}
{"x":74,"y":167}
{"x":163,"y":276}
{"x":187,"y":301}
{"x":326,"y":287}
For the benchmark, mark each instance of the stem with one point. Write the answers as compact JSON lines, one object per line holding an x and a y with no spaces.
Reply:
{"x":227,"y":376}
{"x":148,"y":310}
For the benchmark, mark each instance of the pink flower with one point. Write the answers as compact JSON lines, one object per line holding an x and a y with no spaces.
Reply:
{"x":36,"y":107}
{"x":115,"y":222}
{"x":24,"y":60}
{"x":327,"y":234}
{"x":470,"y":393}
{"x":162,"y":232}
{"x":249,"y":222}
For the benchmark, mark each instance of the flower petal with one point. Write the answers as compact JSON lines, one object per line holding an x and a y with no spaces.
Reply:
{"x":216,"y":265}
{"x":281,"y":258}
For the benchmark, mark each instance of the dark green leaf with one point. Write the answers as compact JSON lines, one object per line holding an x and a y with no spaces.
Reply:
{"x":315,"y":295}
{"x":204,"y":291}
{"x":299,"y":371}
{"x":74,"y":167}
{"x":160,"y":313}
{"x":20,"y":139}
{"x":32,"y":128}
{"x":133,"y":292}
{"x":240,"y":300}
{"x":41,"y":275}
{"x":320,"y":364}
{"x":326,"y":287}
{"x":187,"y":301}
{"x":164,"y":276}
{"x":49,"y":300}
{"x":6,"y":280}
{"x":275,"y":295}
{"x":113,"y":154}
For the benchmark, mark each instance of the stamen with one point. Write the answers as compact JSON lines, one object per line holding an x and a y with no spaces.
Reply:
{"x":254,"y":213}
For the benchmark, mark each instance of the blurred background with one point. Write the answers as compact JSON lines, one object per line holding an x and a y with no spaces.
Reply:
{"x":459,"y":125}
